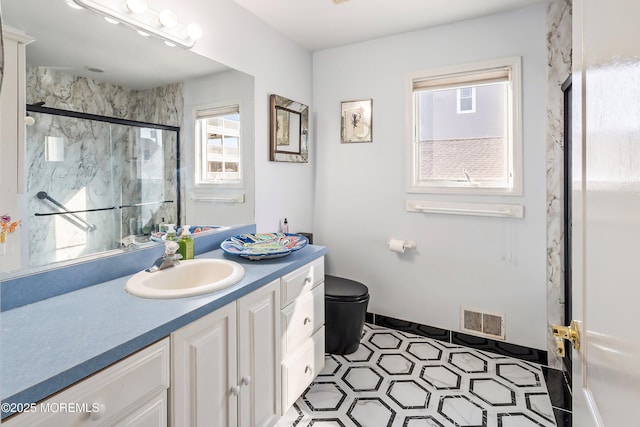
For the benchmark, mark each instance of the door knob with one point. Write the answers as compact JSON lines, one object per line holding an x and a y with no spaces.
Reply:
{"x":569,"y":333}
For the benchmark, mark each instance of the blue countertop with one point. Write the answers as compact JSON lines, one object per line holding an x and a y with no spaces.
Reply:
{"x":50,"y":344}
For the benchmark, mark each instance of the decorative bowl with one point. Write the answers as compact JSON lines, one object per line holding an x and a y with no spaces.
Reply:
{"x":264,"y":245}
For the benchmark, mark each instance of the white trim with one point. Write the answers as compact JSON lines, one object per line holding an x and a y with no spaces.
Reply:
{"x":472,"y":209}
{"x":202,"y":195}
{"x":514,"y":158}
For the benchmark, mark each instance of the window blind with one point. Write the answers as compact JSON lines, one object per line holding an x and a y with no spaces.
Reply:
{"x":217,"y":112}
{"x":476,"y":78}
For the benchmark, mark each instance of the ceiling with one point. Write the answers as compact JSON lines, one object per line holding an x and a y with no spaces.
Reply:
{"x":72,"y":40}
{"x":322,"y":24}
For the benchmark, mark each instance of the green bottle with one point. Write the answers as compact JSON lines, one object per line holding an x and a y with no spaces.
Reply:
{"x":186,"y":244}
{"x":171,"y":232}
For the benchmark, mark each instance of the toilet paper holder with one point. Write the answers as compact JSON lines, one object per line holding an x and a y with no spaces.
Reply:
{"x":397,"y":245}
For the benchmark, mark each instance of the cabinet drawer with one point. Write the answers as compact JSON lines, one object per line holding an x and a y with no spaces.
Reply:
{"x":152,"y":414}
{"x":108,"y":396}
{"x":301,"y":280}
{"x":300,"y":368}
{"x":302,"y":318}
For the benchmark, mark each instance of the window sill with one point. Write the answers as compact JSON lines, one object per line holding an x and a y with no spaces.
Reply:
{"x":210,"y":195}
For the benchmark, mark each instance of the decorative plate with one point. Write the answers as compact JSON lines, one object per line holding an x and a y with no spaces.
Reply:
{"x":263,"y":245}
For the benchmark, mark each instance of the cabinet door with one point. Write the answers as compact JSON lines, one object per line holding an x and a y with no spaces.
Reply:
{"x":204,"y":371}
{"x":259,"y":356}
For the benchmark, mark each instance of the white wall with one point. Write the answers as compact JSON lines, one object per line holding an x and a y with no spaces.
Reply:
{"x":495,"y":265}
{"x":220,"y":90}
{"x":489,"y":264}
{"x":237,"y":38}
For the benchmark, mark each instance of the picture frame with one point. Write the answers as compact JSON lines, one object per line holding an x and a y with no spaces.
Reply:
{"x":356,"y":121}
{"x":289,"y":133}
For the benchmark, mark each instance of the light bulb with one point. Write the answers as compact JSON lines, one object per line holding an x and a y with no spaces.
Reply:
{"x":194,"y":31}
{"x":169,"y":44}
{"x":142,"y":33}
{"x":73,"y":5}
{"x":137,"y":6}
{"x":111,"y":20}
{"x":167,"y":18}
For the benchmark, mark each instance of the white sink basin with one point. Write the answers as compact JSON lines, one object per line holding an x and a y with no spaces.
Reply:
{"x":189,"y":278}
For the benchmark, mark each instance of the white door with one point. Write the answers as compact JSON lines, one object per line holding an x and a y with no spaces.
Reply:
{"x":204,"y":371}
{"x":606,"y":212}
{"x":259,"y":357}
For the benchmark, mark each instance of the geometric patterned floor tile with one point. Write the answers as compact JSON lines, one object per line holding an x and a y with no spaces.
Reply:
{"x":362,"y":378}
{"x":441,"y":377}
{"x":492,"y":391}
{"x":324,"y":396}
{"x":396,"y":379}
{"x":409,"y":394}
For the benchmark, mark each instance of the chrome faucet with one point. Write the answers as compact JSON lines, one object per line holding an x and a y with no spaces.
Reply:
{"x":170,"y":258}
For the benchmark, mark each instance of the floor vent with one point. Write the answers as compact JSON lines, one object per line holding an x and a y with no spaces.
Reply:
{"x":485,"y":324}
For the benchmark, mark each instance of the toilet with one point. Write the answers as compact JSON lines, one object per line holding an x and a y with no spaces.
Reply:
{"x":345,"y":307}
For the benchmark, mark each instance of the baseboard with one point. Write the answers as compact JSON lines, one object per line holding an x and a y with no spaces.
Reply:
{"x":480,"y":343}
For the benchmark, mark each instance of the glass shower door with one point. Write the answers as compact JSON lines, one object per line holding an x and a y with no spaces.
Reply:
{"x":94,"y":185}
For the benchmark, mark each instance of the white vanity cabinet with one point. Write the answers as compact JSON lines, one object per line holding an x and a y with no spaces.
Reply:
{"x":302,"y":338}
{"x":131,"y":392}
{"x":225,"y":369}
{"x":242,"y":365}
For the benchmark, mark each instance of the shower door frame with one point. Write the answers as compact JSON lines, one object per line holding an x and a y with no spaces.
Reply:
{"x":38,"y":108}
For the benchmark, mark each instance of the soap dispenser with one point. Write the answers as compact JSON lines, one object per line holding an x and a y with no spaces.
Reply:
{"x":186,"y":244}
{"x":171,"y":232}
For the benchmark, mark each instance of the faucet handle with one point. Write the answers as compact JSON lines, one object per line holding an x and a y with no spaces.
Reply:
{"x":171,"y":247}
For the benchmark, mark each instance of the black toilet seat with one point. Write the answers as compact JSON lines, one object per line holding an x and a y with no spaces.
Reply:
{"x":344,"y":290}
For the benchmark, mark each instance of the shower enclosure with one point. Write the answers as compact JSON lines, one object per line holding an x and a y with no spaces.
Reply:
{"x":96,"y":183}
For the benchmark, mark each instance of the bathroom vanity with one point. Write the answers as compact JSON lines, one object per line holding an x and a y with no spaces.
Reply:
{"x":99,"y":356}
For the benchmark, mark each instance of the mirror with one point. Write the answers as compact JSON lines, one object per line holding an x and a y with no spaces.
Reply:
{"x":289,"y":130}
{"x":80,"y":63}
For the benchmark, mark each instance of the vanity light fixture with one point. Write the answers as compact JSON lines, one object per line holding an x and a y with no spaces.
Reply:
{"x":136,"y":14}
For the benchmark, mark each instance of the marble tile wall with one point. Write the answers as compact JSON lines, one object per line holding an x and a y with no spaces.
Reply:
{"x":96,"y":155}
{"x":558,"y":70}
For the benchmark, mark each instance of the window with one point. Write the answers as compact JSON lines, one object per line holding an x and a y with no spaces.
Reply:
{"x":466,"y":100}
{"x":453,"y":151}
{"x":218,"y":146}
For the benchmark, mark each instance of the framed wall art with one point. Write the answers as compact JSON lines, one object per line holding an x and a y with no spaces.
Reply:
{"x":356,"y":121}
{"x":289,"y":130}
